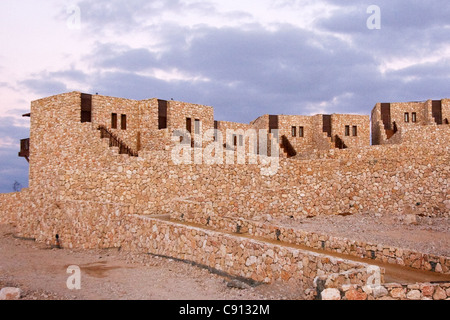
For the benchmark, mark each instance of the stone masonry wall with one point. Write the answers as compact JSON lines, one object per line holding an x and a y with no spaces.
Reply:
{"x":387,"y":179}
{"x":389,"y":291}
{"x":424,"y":116}
{"x":200,"y":213}
{"x":362,"y":138}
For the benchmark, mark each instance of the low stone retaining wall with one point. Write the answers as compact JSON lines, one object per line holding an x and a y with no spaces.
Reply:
{"x":390,"y":291}
{"x":200,"y":213}
{"x":87,"y":225}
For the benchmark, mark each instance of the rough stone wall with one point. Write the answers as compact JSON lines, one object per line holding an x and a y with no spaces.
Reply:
{"x":227,"y":129}
{"x":199,"y":213}
{"x":178,"y":112}
{"x":422,"y":110}
{"x":424,"y":116}
{"x":102,"y":109}
{"x":377,"y":126}
{"x":386,"y":179}
{"x":389,"y":291}
{"x":321,"y":141}
{"x":430,"y":134}
{"x":82,"y":167}
{"x":261,"y":123}
{"x":300,"y":144}
{"x":52,"y":125}
{"x":362,"y":123}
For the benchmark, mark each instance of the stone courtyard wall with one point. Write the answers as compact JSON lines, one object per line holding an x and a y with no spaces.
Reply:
{"x":199,"y":213}
{"x":391,"y":179}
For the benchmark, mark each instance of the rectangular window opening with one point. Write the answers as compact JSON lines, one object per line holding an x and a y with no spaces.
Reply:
{"x":114,"y":121}
{"x":294,"y":131}
{"x":301,"y":132}
{"x":355,"y":131}
{"x":414,"y":117}
{"x":347,"y":131}
{"x":406,"y":117}
{"x":216,"y":125}
{"x":189,"y":125}
{"x":162,"y":114}
{"x":86,"y":108}
{"x":123,"y":122}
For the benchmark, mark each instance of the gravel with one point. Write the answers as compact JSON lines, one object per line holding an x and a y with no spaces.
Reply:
{"x":430,"y":234}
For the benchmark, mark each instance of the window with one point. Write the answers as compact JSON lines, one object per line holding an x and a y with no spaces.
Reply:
{"x":294,"y":131}
{"x":216,"y":126}
{"x":301,"y":132}
{"x":355,"y":131}
{"x":347,"y":131}
{"x":123,"y":122}
{"x":86,"y":108}
{"x":197,"y":126}
{"x":114,"y":121}
{"x":414,"y":117}
{"x":241,"y":140}
{"x":189,"y":125}
{"x":406,"y":117}
{"x":162,"y":114}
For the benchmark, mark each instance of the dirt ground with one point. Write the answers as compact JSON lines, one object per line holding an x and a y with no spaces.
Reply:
{"x":41,"y":273}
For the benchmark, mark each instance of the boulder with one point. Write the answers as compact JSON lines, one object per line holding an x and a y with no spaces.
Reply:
{"x":10,"y":294}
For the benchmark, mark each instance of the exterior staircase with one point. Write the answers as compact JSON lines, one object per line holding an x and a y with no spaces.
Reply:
{"x":116,"y":142}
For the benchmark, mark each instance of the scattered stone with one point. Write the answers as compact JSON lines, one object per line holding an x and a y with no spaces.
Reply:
{"x":10,"y":294}
{"x":237,"y":284}
{"x":331,"y":294}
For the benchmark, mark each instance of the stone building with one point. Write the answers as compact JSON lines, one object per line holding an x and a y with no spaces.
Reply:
{"x":102,"y":175}
{"x":149,"y":124}
{"x":390,"y":119}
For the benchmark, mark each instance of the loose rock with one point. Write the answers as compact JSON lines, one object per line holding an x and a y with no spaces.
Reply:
{"x":10,"y":294}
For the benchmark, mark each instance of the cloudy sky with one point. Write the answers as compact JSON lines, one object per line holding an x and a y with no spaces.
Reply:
{"x":245,"y":58}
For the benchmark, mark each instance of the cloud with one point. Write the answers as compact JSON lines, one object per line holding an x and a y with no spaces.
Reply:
{"x":111,"y":56}
{"x":44,"y":87}
{"x":12,"y":168}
